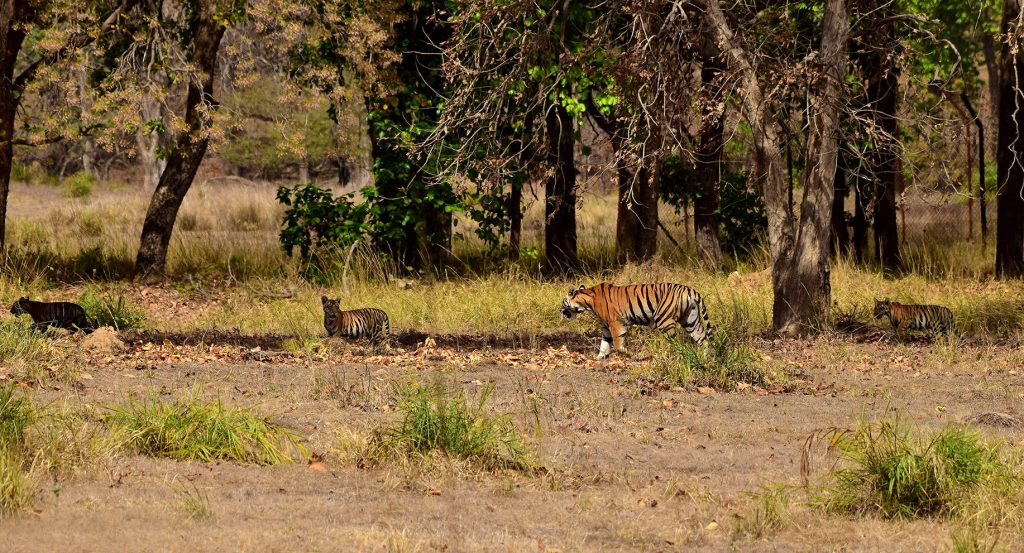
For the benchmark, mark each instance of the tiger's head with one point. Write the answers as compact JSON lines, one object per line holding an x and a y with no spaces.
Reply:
{"x":883,"y":308}
{"x":20,"y":307}
{"x":331,"y":307}
{"x":575,"y":303}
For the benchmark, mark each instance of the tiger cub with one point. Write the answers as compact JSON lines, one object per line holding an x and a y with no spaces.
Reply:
{"x":60,"y":314}
{"x":915,"y":317}
{"x":368,"y":322}
{"x":662,"y":306}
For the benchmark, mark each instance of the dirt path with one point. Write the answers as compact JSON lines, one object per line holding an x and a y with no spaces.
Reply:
{"x":631,"y":471}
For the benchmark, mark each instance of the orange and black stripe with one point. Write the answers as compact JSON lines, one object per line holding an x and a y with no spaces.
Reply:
{"x":368,"y":322}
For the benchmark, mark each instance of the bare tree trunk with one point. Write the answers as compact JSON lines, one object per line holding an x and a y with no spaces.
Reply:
{"x":189,"y":148}
{"x":88,"y":145}
{"x":800,"y":256}
{"x":709,"y":160}
{"x":988,"y":42}
{"x":881,"y":95}
{"x":12,"y":34}
{"x":560,"y":193}
{"x":1010,"y":194}
{"x":840,"y":230}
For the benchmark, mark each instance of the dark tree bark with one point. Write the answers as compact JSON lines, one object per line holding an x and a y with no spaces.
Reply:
{"x":189,"y":146}
{"x":800,"y":249}
{"x":636,"y":223}
{"x":560,"y":193}
{"x":840,"y":229}
{"x":709,"y":160}
{"x":1010,"y":171}
{"x":515,"y":213}
{"x":881,"y":94}
{"x":860,"y":221}
{"x":12,"y":35}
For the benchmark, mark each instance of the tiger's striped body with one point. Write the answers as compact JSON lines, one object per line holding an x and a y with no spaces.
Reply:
{"x":915,"y":317}
{"x":61,"y":314}
{"x":368,"y":322}
{"x":661,"y":306}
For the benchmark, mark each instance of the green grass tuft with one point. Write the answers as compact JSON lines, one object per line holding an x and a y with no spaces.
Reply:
{"x":768,"y":511}
{"x":191,"y":429}
{"x":16,"y":415}
{"x":724,"y":361}
{"x":437,"y":419}
{"x":885,"y":468}
{"x":106,"y":309}
{"x":79,"y":185}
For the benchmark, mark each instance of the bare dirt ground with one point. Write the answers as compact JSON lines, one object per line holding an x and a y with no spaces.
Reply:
{"x":628,"y":467}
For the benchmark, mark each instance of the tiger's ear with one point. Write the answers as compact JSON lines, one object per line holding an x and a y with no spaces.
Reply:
{"x":324,"y":300}
{"x":581,"y":287}
{"x":572,"y":292}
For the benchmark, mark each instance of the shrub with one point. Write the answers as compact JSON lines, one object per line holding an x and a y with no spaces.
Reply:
{"x":190,"y":429}
{"x":436,"y":419}
{"x":722,"y":362}
{"x":79,"y":185}
{"x":108,"y":310}
{"x":884,"y":468}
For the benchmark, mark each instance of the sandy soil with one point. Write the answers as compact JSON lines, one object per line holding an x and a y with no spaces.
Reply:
{"x":631,"y":468}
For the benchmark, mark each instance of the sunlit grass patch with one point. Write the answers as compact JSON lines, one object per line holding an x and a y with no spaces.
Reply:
{"x":723,"y":362}
{"x":104,"y":308}
{"x":191,"y":429}
{"x":767,"y":511}
{"x":195,"y":503}
{"x":888,"y":469}
{"x":437,"y":419}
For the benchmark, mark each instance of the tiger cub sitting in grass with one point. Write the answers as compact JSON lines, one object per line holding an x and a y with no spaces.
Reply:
{"x":662,"y":306}
{"x":60,"y":314}
{"x":368,"y":322}
{"x":915,"y":317}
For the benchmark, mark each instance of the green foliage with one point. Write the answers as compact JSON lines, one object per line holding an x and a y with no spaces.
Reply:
{"x":741,"y":207}
{"x":79,"y":185}
{"x":106,"y":309}
{"x":191,"y":429}
{"x":317,"y":223}
{"x":437,"y":419}
{"x":884,"y":468}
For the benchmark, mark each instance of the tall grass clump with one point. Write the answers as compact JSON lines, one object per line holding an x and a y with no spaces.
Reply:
{"x":768,"y":511}
{"x":106,"y":309}
{"x":437,"y":419}
{"x":79,"y":185}
{"x":16,"y":415}
{"x":191,"y":429}
{"x":722,"y":362}
{"x":27,"y":351}
{"x":886,"y":469}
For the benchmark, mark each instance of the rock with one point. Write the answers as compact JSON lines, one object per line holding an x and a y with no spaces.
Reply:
{"x":102,"y":340}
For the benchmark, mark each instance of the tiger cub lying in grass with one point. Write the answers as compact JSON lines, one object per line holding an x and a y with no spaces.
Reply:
{"x":662,"y":306}
{"x":60,"y":314}
{"x":915,"y":317}
{"x":368,"y":322}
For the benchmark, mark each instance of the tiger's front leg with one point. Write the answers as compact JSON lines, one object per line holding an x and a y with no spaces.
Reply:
{"x":618,"y":337}
{"x":606,"y":344}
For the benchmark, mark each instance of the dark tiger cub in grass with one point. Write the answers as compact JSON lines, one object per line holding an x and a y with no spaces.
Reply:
{"x":368,"y":322}
{"x":915,"y":317}
{"x":662,"y":306}
{"x":60,"y":314}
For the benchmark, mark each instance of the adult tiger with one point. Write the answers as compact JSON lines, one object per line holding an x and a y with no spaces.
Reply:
{"x":915,"y":317}
{"x":368,"y":322}
{"x":60,"y":314}
{"x":661,"y":306}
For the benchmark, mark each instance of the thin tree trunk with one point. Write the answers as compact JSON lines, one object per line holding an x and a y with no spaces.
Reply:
{"x":860,"y":221}
{"x":709,"y":160}
{"x":800,"y":256}
{"x":147,"y":142}
{"x":189,"y":148}
{"x":1010,"y":172}
{"x":881,"y":94}
{"x":988,"y":42}
{"x":840,"y":230}
{"x":515,"y":212}
{"x":560,"y":193}
{"x":12,"y":34}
